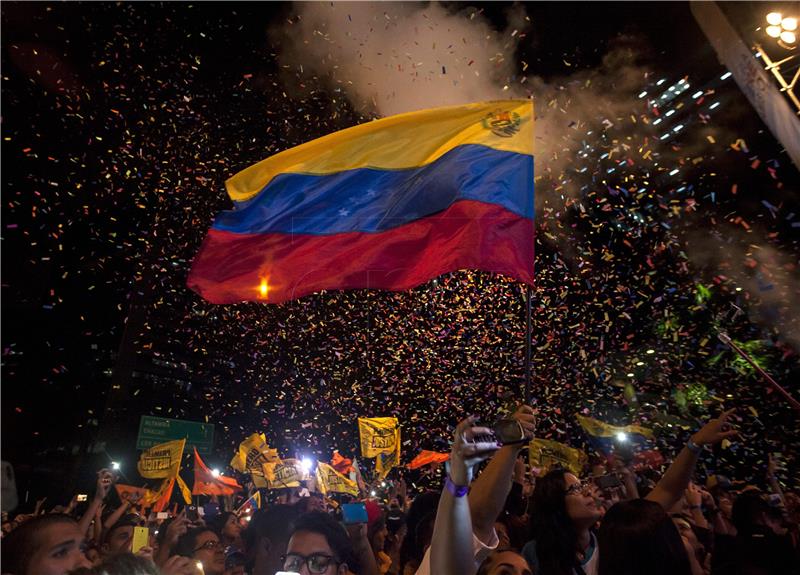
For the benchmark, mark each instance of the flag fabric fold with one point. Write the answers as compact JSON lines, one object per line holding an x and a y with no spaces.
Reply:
{"x":206,"y":484}
{"x":331,"y":481}
{"x":388,"y":204}
{"x":547,"y":454}
{"x":341,"y":463}
{"x":252,"y":457}
{"x":597,"y":428}
{"x":426,"y":457}
{"x":164,"y":461}
{"x":284,"y":473}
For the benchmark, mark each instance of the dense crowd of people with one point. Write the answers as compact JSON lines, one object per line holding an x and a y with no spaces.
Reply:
{"x":491,"y":518}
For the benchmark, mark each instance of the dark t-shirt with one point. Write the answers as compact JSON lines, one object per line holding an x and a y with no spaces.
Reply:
{"x":394,"y":520}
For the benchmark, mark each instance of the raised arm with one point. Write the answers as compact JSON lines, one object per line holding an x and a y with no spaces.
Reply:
{"x":490,"y":490}
{"x":672,"y":486}
{"x":772,"y":479}
{"x":112,"y":519}
{"x":452,"y":551}
{"x":104,"y":481}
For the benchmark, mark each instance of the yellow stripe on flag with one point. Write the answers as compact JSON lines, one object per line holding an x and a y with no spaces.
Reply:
{"x":398,"y":142}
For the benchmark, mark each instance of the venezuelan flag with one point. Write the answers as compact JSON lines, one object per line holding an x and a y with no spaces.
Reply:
{"x":388,"y":204}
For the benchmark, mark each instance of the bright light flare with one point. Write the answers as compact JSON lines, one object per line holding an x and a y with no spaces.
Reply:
{"x":788,"y":37}
{"x":622,"y":437}
{"x":773,"y":31}
{"x":307,"y":463}
{"x":115,"y":465}
{"x":215,"y":472}
{"x":263,"y":289}
{"x":789,"y":24}
{"x":774,"y":18}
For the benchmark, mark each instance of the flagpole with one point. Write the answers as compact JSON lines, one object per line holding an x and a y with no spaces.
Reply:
{"x":527,"y":390}
{"x":529,"y":293}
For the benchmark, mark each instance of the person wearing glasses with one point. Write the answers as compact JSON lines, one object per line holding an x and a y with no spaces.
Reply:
{"x":319,"y":545}
{"x":204,"y":546}
{"x":564,"y":513}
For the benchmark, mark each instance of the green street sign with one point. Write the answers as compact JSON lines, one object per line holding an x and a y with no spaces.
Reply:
{"x":155,"y":430}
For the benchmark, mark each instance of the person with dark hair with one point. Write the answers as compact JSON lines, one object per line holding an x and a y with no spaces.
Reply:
{"x":45,"y":545}
{"x":505,"y":562}
{"x":319,"y":545}
{"x":228,"y":526}
{"x":563,"y":512}
{"x":127,"y":564}
{"x":638,"y":536}
{"x":376,"y":534}
{"x":756,"y":549}
{"x":561,"y":521}
{"x":119,"y":537}
{"x":204,"y":546}
{"x":266,"y":537}
{"x":419,"y":531}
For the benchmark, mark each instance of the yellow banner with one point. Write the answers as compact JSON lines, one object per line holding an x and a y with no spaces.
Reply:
{"x":253,"y":453}
{"x":331,"y":481}
{"x":548,"y":454}
{"x":378,"y":435}
{"x":385,"y":461}
{"x":151,"y":497}
{"x":285,"y":473}
{"x":598,"y":428}
{"x":162,"y":461}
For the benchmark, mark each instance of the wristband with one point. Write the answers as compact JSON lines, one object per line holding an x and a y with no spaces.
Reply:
{"x":455,"y":490}
{"x":693,"y":447}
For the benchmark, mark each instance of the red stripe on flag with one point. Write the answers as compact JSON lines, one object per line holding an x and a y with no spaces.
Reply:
{"x":468,"y":235}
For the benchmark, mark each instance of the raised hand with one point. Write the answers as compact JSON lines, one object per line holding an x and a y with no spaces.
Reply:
{"x":527,"y":420}
{"x":467,"y":452}
{"x":693,"y":495}
{"x":179,"y":565}
{"x":105,"y":479}
{"x":715,"y":430}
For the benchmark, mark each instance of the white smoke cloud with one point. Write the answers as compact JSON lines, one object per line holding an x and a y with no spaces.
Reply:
{"x":393,"y":57}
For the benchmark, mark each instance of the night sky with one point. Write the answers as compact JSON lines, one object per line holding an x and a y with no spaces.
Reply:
{"x":121,"y":122}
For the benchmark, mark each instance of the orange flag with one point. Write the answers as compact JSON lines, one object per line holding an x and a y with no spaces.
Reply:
{"x":206,"y":484}
{"x":340,"y":463}
{"x":426,"y":457}
{"x":160,"y":499}
{"x":130,"y":493}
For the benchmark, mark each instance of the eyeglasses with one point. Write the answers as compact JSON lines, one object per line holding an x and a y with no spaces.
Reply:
{"x":210,"y":545}
{"x":317,"y":563}
{"x":577,"y":488}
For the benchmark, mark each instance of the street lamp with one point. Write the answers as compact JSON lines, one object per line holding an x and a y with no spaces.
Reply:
{"x":783,"y":29}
